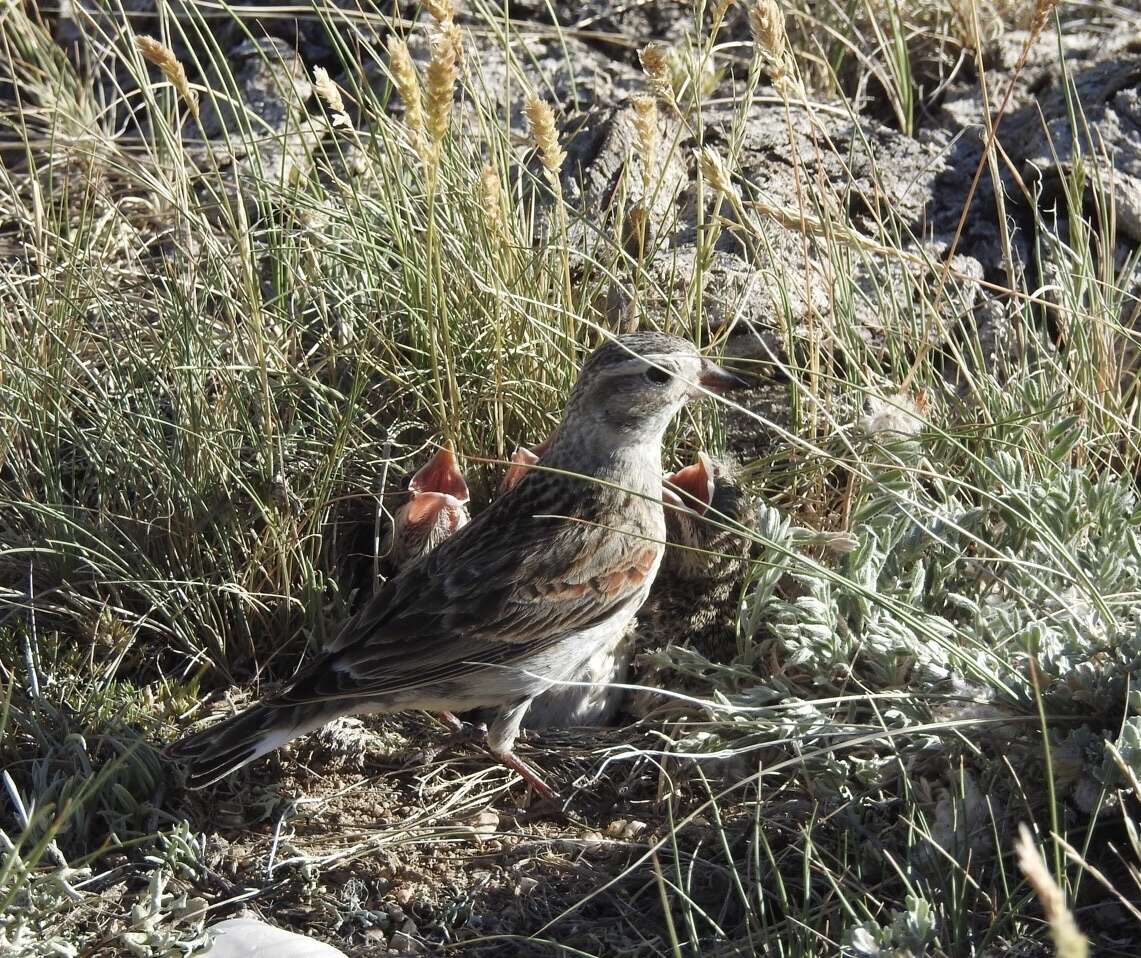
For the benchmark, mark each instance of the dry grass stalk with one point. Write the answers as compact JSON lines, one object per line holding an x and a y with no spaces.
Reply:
{"x":545,"y":137}
{"x":1068,"y":940}
{"x":441,"y":84}
{"x":646,"y":125}
{"x":408,"y":85}
{"x":163,"y":57}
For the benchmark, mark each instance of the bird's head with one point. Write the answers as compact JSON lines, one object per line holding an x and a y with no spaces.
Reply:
{"x":632,"y":386}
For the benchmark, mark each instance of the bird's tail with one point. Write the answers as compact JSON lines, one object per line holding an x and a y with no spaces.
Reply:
{"x":223,"y":748}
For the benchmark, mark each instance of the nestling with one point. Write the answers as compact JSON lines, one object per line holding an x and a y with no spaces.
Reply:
{"x":436,"y":511}
{"x":520,"y":597}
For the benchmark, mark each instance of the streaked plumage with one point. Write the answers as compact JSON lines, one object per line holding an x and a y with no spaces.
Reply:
{"x":521,"y":596}
{"x":596,"y":696}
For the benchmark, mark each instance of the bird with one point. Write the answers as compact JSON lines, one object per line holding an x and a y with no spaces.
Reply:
{"x":596,"y":694}
{"x":697,"y":595}
{"x":520,"y":597}
{"x":521,"y":460}
{"x":435,"y":512}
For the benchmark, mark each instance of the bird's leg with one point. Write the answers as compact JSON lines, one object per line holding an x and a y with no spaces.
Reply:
{"x":526,"y":772}
{"x":451,"y":720}
{"x":462,"y":733}
{"x":501,"y":740}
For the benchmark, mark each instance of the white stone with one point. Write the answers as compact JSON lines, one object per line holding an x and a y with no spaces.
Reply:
{"x":251,"y":938}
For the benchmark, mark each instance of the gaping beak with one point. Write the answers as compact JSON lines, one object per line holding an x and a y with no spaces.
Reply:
{"x":440,"y":474}
{"x":716,"y":379}
{"x":695,"y":482}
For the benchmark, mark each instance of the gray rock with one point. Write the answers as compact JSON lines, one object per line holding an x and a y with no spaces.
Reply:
{"x":569,"y":74}
{"x":257,"y":126}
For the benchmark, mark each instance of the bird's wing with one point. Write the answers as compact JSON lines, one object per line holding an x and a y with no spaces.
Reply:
{"x":503,"y":588}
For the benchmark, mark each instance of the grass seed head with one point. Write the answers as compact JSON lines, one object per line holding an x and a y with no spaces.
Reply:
{"x":766,"y":23}
{"x":491,"y":198}
{"x":545,"y":136}
{"x":442,"y":83}
{"x":163,"y":57}
{"x":442,"y":11}
{"x":646,"y":125}
{"x":408,"y":85}
{"x":655,"y":60}
{"x":330,"y":95}
{"x":713,"y":169}
{"x":1068,"y":940}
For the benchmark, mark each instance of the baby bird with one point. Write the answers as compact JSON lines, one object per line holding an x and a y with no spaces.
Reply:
{"x":694,"y":602}
{"x":521,"y":460}
{"x":519,"y":598}
{"x":436,"y":511}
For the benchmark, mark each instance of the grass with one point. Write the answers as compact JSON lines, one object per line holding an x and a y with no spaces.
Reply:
{"x":217,"y":366}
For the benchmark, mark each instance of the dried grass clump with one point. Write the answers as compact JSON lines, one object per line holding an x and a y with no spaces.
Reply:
{"x":545,"y":136}
{"x":163,"y":57}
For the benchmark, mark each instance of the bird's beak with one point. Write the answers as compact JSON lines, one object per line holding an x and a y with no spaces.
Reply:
{"x":696,"y":482}
{"x":715,"y":379}
{"x":440,"y":474}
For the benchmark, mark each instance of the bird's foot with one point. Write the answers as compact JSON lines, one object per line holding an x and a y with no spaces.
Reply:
{"x":512,"y":761}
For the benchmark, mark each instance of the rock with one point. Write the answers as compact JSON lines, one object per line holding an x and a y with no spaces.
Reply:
{"x":602,"y":176}
{"x":1108,"y":137}
{"x":569,"y":74}
{"x":623,"y":27}
{"x":754,"y":308}
{"x":247,"y":937}
{"x":270,"y":139}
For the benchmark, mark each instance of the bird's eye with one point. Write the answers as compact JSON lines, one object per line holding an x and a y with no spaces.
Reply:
{"x":659,"y":376}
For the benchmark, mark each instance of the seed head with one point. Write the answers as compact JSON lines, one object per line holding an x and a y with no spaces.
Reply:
{"x":163,"y":57}
{"x":1068,"y":940}
{"x":491,"y":198}
{"x":408,"y":85}
{"x":330,"y":94}
{"x":442,"y":83}
{"x":442,"y":11}
{"x":656,"y":65}
{"x":713,"y":169}
{"x":646,"y":125}
{"x":544,"y":135}
{"x":766,"y":23}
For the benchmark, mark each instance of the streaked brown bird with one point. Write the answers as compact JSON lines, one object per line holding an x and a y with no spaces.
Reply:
{"x":519,"y":598}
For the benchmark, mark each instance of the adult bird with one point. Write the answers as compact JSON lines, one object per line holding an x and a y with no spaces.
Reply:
{"x":522,"y":596}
